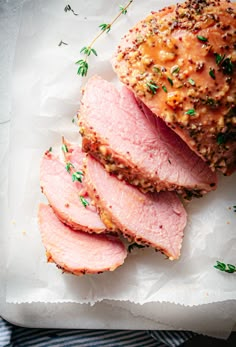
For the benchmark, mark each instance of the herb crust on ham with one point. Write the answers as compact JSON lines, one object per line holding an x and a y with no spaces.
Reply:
{"x":181,"y":62}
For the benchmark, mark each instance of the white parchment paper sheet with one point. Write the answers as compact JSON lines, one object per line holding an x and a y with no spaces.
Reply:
{"x":46,"y":97}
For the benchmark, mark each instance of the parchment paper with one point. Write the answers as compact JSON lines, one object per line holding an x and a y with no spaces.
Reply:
{"x":46,"y":97}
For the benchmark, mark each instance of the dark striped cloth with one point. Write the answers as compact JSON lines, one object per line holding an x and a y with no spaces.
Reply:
{"x":14,"y":336}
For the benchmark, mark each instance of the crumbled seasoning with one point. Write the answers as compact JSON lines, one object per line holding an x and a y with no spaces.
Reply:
{"x":201,"y":63}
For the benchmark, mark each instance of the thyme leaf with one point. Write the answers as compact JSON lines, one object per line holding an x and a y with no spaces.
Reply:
{"x":83,"y":67}
{"x":123,"y":9}
{"x":84,"y":202}
{"x":221,"y":139}
{"x":219,"y":58}
{"x":105,"y":27}
{"x":77,"y":176}
{"x":88,"y":50}
{"x":202,"y":38}
{"x":69,"y":166}
{"x":227,"y":66}
{"x":191,"y":81}
{"x":191,"y":112}
{"x":64,"y":148}
{"x":212,"y":73}
{"x":170,"y":81}
{"x":152,"y":86}
{"x":175,"y":69}
{"x":165,"y":89}
{"x":225,"y":267}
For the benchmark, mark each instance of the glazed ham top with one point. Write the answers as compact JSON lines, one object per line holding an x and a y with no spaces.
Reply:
{"x":180,"y":62}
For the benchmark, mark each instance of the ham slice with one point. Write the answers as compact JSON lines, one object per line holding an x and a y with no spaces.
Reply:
{"x":156,"y":219}
{"x":137,"y":146}
{"x":78,"y":252}
{"x":64,"y":195}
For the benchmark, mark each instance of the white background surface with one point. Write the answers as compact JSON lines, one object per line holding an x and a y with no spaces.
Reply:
{"x":46,"y":97}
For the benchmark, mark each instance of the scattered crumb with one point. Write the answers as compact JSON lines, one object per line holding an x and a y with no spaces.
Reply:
{"x":230,"y":208}
{"x":67,"y":205}
{"x":13,"y":222}
{"x":228,"y":222}
{"x":23,"y":232}
{"x":207,"y":294}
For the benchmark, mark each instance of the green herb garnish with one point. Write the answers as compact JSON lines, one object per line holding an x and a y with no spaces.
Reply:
{"x":225,"y":267}
{"x":105,"y":27}
{"x":68,"y":8}
{"x":83,"y":67}
{"x":134,"y":245}
{"x":202,"y":38}
{"x":234,"y":207}
{"x":77,"y":176}
{"x":191,"y":112}
{"x":50,"y":149}
{"x":69,"y":166}
{"x":84,"y":202}
{"x":211,"y":102}
{"x":64,"y":148}
{"x":212,"y":73}
{"x":221,"y":139}
{"x":88,"y":50}
{"x":165,"y":89}
{"x":156,"y":69}
{"x":227,"y":66}
{"x":219,"y":58}
{"x":170,"y":81}
{"x":175,"y":69}
{"x":123,"y":9}
{"x":152,"y":86}
{"x":191,"y":81}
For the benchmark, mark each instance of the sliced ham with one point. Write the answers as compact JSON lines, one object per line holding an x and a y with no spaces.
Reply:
{"x":137,"y":146}
{"x":78,"y":252}
{"x":181,"y":62}
{"x":64,"y":195}
{"x":156,"y":219}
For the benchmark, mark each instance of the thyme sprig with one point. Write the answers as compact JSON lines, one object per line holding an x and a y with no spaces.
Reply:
{"x":225,"y":267}
{"x":69,"y":8}
{"x":87,"y":50}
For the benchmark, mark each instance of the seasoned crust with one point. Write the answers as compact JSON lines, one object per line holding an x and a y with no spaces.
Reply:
{"x":124,"y":170}
{"x":180,"y":62}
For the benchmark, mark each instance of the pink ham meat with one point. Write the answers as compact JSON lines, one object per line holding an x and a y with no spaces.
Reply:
{"x":78,"y":252}
{"x":137,"y":147}
{"x":63,"y":195}
{"x":156,"y":219}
